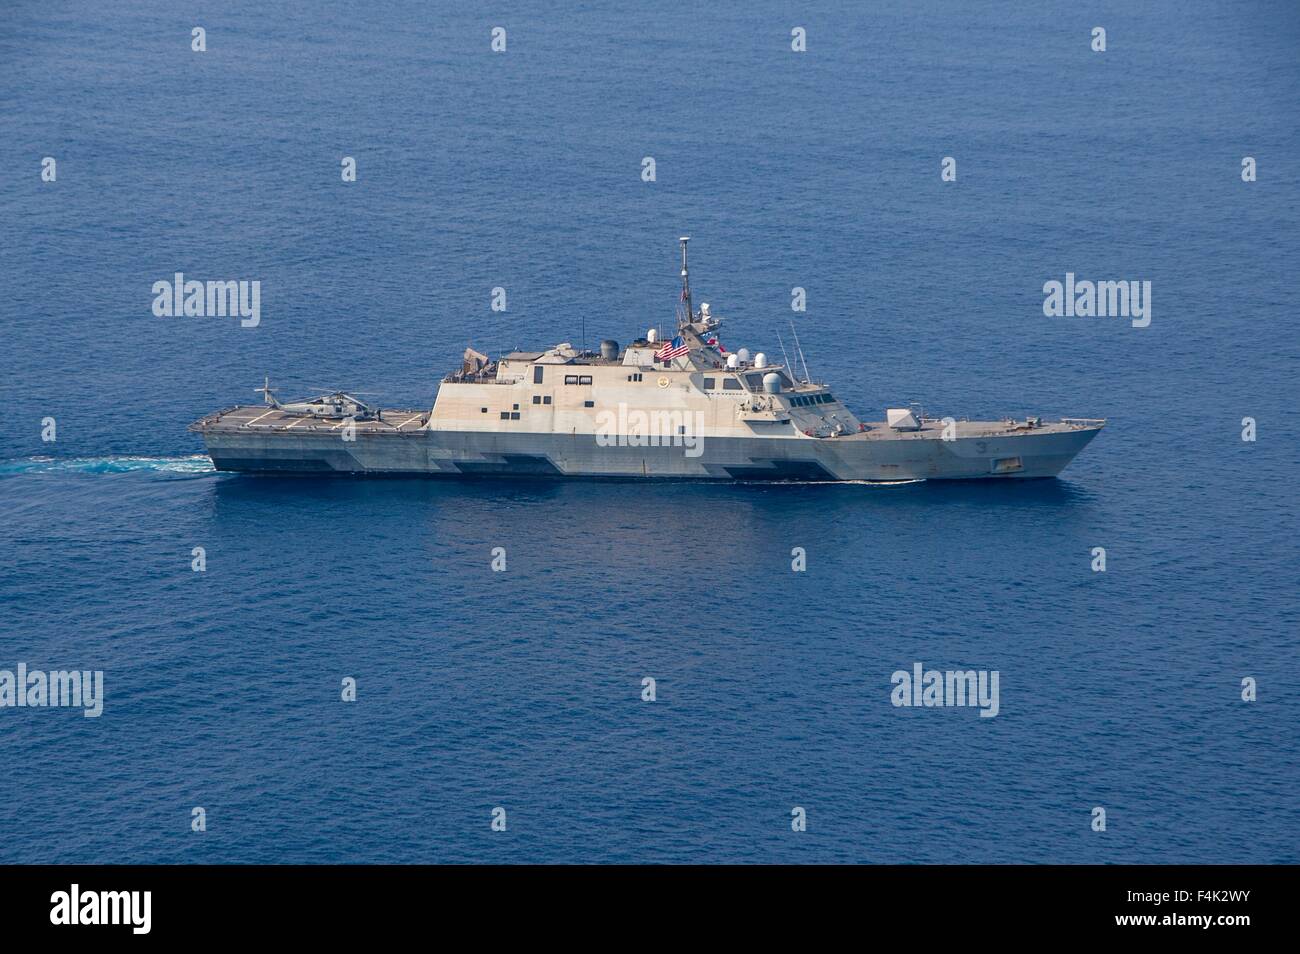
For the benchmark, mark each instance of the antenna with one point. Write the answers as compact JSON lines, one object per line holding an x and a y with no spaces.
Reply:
{"x":806,"y":378}
{"x":686,"y":284}
{"x":788,"y":366}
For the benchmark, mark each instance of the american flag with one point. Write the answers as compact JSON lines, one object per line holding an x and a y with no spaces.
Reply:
{"x":672,"y":349}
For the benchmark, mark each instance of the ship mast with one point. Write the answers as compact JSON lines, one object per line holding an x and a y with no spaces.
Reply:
{"x":686,"y":285}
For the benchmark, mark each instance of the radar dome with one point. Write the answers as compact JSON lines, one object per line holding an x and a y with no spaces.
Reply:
{"x":760,"y":360}
{"x":772,"y":383}
{"x":743,"y":355}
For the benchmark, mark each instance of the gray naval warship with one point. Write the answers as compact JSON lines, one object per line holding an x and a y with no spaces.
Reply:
{"x":680,"y":408}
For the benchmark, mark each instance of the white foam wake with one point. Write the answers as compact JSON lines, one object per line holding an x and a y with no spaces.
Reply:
{"x":194,"y":464}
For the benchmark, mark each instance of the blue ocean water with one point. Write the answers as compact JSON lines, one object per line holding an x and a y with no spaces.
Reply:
{"x":522,"y":689}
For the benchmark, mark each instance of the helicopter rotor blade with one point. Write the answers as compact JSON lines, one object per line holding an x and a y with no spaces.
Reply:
{"x":341,"y":391}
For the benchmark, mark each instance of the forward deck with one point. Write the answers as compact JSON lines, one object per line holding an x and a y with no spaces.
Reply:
{"x":963,"y":430}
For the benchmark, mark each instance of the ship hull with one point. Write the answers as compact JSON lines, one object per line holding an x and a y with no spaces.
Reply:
{"x":877,"y":455}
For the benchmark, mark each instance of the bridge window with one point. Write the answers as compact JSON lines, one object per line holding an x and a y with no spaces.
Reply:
{"x":732,"y":384}
{"x":537,"y":374}
{"x":709,"y":384}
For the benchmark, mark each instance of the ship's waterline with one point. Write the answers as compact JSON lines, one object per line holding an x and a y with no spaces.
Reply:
{"x":681,"y":409}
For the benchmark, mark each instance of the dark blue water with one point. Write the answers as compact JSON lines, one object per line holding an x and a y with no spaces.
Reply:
{"x":522,"y":689}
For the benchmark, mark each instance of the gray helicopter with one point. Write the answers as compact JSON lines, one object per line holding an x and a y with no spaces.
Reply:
{"x":331,"y":404}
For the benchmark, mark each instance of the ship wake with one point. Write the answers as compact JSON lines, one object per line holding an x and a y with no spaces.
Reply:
{"x":193,"y":464}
